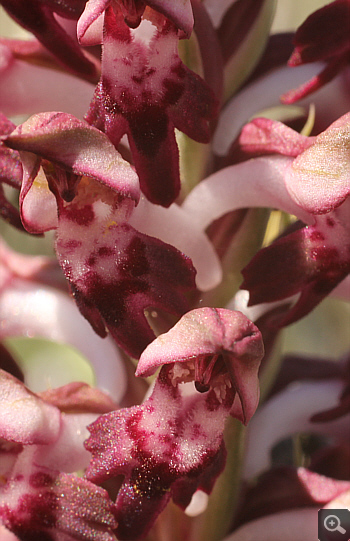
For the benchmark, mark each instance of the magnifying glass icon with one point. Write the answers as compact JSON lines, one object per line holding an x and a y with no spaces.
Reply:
{"x":332,"y":524}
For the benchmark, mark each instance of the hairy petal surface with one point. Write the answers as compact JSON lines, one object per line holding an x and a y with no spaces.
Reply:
{"x":172,"y":444}
{"x":44,"y":504}
{"x":319,"y":178}
{"x":77,"y":148}
{"x":146,"y":91}
{"x":114,"y":271}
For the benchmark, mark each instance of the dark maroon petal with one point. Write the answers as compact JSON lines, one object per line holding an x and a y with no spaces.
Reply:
{"x":48,"y":505}
{"x":309,"y":261}
{"x":39,"y":19}
{"x":157,"y":162}
{"x":324,"y":34}
{"x":116,"y":272}
{"x":9,"y":213}
{"x":169,"y":446}
{"x":146,"y":92}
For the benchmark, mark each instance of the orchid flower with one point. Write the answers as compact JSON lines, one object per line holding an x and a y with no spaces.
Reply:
{"x":309,"y":180}
{"x":172,"y":444}
{"x":40,"y":447}
{"x":188,"y":216}
{"x":92,"y":227}
{"x":145,"y":84}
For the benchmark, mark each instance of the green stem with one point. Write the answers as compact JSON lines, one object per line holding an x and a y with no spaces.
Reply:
{"x":215,"y":522}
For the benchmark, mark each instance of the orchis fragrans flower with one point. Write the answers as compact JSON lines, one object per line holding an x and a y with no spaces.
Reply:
{"x":146,"y":92}
{"x":39,"y":448}
{"x":133,"y":231}
{"x":114,"y":271}
{"x":309,"y":180}
{"x":172,"y":444}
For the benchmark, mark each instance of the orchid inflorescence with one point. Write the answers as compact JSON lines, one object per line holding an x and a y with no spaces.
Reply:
{"x":194,"y":168}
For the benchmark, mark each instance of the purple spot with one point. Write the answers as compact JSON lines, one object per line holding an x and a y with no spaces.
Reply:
{"x":81,"y":216}
{"x":40,"y":479}
{"x":105,"y":251}
{"x":71,"y":244}
{"x":316,"y":236}
{"x":91,"y":260}
{"x":136,"y":79}
{"x":330,"y":222}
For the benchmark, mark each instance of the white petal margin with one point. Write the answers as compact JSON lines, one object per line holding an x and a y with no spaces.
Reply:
{"x":32,"y":310}
{"x":177,"y":227}
{"x":288,"y":413}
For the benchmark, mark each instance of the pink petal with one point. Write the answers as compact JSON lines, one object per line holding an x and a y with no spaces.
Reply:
{"x":67,"y":453}
{"x":167,"y":447}
{"x":331,"y":101}
{"x":93,"y":10}
{"x":77,"y":147}
{"x":207,"y":332}
{"x":37,"y":202}
{"x":25,"y":418}
{"x":319,"y":179}
{"x":29,"y":309}
{"x":255,"y":183}
{"x":298,"y":524}
{"x":265,"y":136}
